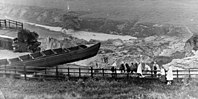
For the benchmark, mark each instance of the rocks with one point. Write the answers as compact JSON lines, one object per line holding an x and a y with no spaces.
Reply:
{"x":192,"y":44}
{"x":66,"y":42}
{"x":187,"y":62}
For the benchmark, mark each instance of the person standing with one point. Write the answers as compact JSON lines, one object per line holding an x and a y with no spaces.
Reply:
{"x":132,"y":67}
{"x":113,"y":71}
{"x":122,"y":67}
{"x":128,"y":69}
{"x":113,"y":68}
{"x":155,"y":68}
{"x":169,"y":75}
{"x":162,"y":74}
{"x":139,"y":70}
{"x":147,"y":69}
{"x":135,"y":68}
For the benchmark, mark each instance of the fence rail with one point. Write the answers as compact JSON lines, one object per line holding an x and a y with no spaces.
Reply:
{"x":7,"y":23}
{"x":68,"y":72}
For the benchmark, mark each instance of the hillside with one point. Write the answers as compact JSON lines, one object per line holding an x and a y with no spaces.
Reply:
{"x":163,"y":28}
{"x":129,"y":17}
{"x":163,"y":11}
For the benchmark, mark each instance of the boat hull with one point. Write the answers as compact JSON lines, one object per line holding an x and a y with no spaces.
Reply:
{"x":54,"y":60}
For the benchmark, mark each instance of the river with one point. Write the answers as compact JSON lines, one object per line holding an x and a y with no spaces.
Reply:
{"x":57,"y":32}
{"x":83,"y":34}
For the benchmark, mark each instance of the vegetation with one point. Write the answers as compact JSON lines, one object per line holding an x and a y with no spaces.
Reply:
{"x":27,"y":36}
{"x":138,"y":19}
{"x":70,"y":21}
{"x":26,"y":41}
{"x":94,"y":88}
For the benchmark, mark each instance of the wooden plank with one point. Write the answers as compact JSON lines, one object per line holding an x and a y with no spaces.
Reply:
{"x":20,"y":59}
{"x":31,"y":56}
{"x":43,"y":54}
{"x":54,"y":51}
{"x":66,"y":50}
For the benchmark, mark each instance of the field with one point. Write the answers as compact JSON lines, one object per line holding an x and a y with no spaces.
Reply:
{"x":97,"y":89}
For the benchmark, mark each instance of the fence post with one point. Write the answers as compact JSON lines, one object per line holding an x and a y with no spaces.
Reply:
{"x":5,"y":68}
{"x":127,"y":75}
{"x":115,"y":73}
{"x":177,"y":75}
{"x":151,"y":72}
{"x":16,"y":25}
{"x":15,"y":70}
{"x":56,"y":72}
{"x":22,"y":26}
{"x":92,"y":72}
{"x":45,"y":70}
{"x":103,"y":72}
{"x":9,"y":23}
{"x":79,"y":72}
{"x":5,"y":23}
{"x":25,"y":72}
{"x":4,"y":71}
{"x":68,"y":72}
{"x":189,"y":73}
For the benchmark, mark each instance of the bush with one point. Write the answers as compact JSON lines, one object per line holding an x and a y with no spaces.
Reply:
{"x":70,"y":21}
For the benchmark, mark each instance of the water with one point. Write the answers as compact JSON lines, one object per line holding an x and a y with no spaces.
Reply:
{"x":78,"y":34}
{"x":85,"y":35}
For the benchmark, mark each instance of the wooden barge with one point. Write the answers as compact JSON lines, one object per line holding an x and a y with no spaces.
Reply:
{"x":49,"y":58}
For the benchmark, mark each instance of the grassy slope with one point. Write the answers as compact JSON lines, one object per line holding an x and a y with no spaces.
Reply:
{"x":92,"y":89}
{"x":86,"y":89}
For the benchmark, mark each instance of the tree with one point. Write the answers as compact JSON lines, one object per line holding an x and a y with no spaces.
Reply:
{"x":26,"y":41}
{"x":70,"y":21}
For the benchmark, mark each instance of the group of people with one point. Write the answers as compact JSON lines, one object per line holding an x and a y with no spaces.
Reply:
{"x":165,"y":75}
{"x":137,"y":68}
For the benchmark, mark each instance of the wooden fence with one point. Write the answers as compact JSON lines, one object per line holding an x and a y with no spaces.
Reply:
{"x":6,"y":23}
{"x":68,"y":72}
